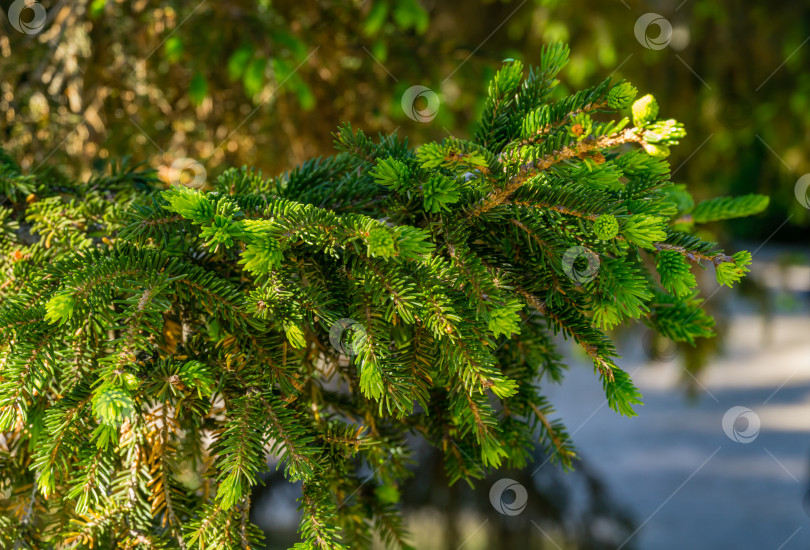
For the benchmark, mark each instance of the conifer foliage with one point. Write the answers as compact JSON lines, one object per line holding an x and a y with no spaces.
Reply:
{"x":162,"y":346}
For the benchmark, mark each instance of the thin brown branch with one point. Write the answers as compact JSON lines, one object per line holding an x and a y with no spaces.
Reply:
{"x":531,"y":169}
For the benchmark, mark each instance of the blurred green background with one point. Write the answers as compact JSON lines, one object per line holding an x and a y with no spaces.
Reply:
{"x":266,"y":83}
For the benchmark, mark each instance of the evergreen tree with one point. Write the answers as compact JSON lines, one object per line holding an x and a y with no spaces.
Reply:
{"x":159,"y":345}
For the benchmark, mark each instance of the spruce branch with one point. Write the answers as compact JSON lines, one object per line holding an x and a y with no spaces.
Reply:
{"x":162,"y":343}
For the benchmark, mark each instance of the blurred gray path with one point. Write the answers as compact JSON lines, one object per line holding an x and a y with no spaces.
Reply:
{"x":688,"y":484}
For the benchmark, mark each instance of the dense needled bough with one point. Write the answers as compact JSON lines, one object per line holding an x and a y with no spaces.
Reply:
{"x":161,"y":346}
